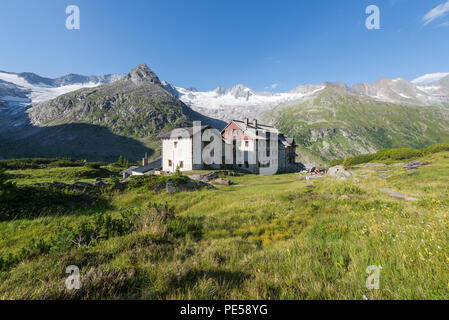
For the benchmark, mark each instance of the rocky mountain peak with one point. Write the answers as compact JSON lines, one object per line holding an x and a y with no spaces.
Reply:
{"x":444,"y":81}
{"x":336,"y":84}
{"x":142,"y":74}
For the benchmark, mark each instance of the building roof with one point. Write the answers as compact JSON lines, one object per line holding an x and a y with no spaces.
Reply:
{"x":259,"y":126}
{"x":130,"y":169}
{"x":180,"y":132}
{"x":156,"y":164}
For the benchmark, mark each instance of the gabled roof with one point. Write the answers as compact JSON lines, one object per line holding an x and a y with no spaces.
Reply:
{"x":259,"y":126}
{"x":250,"y":129}
{"x":288,"y":142}
{"x":156,"y":164}
{"x":180,"y":132}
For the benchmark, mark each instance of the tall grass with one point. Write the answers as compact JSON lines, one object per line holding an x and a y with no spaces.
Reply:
{"x":267,"y":237}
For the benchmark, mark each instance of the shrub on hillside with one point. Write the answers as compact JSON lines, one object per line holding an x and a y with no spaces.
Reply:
{"x":7,"y":188}
{"x":35,"y":201}
{"x":63,"y":163}
{"x":336,"y":162}
{"x":153,"y":182}
{"x":436,"y":148}
{"x":362,"y":158}
{"x":392,"y":155}
{"x":398,"y":154}
{"x":37,"y":163}
{"x":95,"y":165}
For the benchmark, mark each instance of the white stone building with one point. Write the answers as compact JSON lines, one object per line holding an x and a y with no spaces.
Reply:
{"x":244,"y":146}
{"x":177,"y":149}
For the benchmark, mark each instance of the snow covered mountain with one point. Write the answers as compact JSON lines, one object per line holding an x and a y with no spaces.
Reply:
{"x":240,"y":101}
{"x":430,"y":78}
{"x":19,"y":90}
{"x":30,"y":88}
{"x":401,"y":91}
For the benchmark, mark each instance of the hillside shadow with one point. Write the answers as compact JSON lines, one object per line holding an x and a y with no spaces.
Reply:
{"x":29,"y":202}
{"x":205,"y":120}
{"x":73,"y":140}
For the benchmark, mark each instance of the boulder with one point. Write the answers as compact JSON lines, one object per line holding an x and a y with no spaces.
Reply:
{"x":60,"y":184}
{"x":222,"y":181}
{"x":100,"y":184}
{"x":205,"y":177}
{"x":338,"y":172}
{"x":398,"y":195}
{"x":170,"y":187}
{"x":414,"y":165}
{"x":81,"y":185}
{"x":119,"y":185}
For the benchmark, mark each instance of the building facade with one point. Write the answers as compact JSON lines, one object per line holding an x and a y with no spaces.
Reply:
{"x":245,"y":146}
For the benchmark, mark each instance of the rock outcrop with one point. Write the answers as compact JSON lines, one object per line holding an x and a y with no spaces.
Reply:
{"x":338,"y":172}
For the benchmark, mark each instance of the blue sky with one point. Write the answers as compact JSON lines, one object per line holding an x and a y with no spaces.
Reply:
{"x":210,"y":43}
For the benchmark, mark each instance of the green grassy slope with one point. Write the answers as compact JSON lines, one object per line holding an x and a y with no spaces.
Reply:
{"x":276,"y":237}
{"x":336,"y":125}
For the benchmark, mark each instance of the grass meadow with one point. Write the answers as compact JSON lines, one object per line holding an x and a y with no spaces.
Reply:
{"x":264,"y":237}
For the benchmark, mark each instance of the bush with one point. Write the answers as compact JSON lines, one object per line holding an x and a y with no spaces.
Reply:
{"x":392,"y":155}
{"x":346,"y":189}
{"x":153,"y":182}
{"x":156,"y":220}
{"x":95,"y":165}
{"x":64,"y":164}
{"x":362,"y":158}
{"x":436,"y":148}
{"x":122,"y":162}
{"x":336,"y":162}
{"x":398,"y":154}
{"x":35,"y":201}
{"x":37,"y":163}
{"x":7,"y":188}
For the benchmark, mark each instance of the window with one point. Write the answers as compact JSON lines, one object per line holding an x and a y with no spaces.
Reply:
{"x":169,"y":163}
{"x":181,"y":164}
{"x":175,"y":144}
{"x":246,"y":164}
{"x":246,"y":143}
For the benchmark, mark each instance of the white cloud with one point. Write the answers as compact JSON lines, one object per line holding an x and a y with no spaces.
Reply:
{"x":272,"y":87}
{"x":445,"y":24}
{"x":437,"y":12}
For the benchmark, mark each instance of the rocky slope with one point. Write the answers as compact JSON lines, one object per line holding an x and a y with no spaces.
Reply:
{"x":123,"y":114}
{"x":123,"y":117}
{"x":338,"y":123}
{"x":240,"y":101}
{"x":136,"y":105}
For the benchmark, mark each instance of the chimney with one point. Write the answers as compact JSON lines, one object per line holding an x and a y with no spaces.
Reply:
{"x":255,"y":123}
{"x":145,"y":160}
{"x":246,"y":121}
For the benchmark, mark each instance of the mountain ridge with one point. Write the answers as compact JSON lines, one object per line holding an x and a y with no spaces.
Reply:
{"x":139,"y":106}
